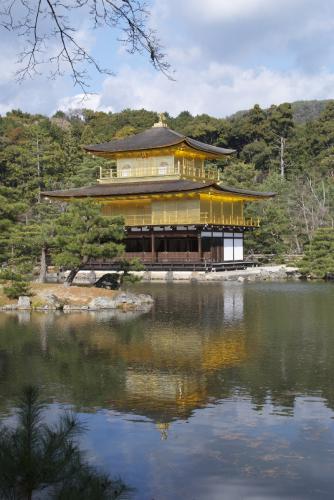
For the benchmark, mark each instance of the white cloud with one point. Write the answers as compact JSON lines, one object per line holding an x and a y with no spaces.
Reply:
{"x":228,"y":55}
{"x":216,"y":89}
{"x":279,"y":34}
{"x":218,"y":10}
{"x":79,"y":101}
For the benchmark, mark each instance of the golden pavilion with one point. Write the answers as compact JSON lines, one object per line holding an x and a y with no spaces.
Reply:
{"x":176,"y":211}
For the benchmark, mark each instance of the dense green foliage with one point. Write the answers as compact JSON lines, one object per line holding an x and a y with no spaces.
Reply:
{"x":275,"y":152}
{"x":35,"y":456}
{"x":15,"y":283}
{"x":82,"y":232}
{"x":302,"y":111}
{"x":318,"y":260}
{"x":16,"y":289}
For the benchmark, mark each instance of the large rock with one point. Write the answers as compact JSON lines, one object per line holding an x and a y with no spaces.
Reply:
{"x":145,"y":298}
{"x":23,"y":302}
{"x":110,"y":281}
{"x":132,"y":299}
{"x":53,"y":302}
{"x":102,"y":303}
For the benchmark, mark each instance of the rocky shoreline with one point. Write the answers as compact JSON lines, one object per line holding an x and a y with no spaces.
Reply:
{"x":261,"y":273}
{"x":122,"y":301}
{"x":56,"y":297}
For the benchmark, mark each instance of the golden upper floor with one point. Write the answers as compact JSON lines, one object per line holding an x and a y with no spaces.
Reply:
{"x":169,"y":202}
{"x":156,"y":168}
{"x":155,"y":154}
{"x":186,"y":209}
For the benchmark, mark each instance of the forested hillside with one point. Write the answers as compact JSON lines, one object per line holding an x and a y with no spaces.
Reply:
{"x":274,"y":152}
{"x":302,"y":111}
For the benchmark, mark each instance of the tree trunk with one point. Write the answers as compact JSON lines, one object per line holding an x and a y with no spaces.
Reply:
{"x":71,"y":276}
{"x":74,"y":272}
{"x":297,"y":244}
{"x":282,"y":164}
{"x":43,"y":266}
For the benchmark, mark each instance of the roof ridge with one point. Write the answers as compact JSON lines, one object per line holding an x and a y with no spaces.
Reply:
{"x":154,"y":138}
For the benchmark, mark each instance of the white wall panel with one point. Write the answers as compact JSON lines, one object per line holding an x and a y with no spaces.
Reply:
{"x":228,"y":249}
{"x":238,"y":249}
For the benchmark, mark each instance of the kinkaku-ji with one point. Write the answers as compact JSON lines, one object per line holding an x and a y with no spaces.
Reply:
{"x":177,"y":213}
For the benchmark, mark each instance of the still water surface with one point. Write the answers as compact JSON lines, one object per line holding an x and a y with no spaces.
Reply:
{"x":221,"y":391}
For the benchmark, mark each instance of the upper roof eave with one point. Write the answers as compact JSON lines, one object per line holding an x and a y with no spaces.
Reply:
{"x":155,"y":138}
{"x":150,"y":188}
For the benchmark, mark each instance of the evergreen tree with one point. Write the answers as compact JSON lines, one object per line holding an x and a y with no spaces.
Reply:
{"x":36,"y":457}
{"x":239,"y":174}
{"x":83,"y":233}
{"x":40,"y":153}
{"x":318,"y":261}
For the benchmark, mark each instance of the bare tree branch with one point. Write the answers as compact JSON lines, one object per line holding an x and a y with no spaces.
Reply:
{"x":50,"y":35}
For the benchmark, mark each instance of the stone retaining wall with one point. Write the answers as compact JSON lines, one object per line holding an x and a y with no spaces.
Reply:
{"x":263,"y":273}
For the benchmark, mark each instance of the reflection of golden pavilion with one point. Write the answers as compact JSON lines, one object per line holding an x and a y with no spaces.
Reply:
{"x":163,"y":428}
{"x":162,"y":372}
{"x":168,"y":374}
{"x":173,"y":380}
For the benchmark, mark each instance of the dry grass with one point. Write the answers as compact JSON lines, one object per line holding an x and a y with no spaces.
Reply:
{"x":74,"y":294}
{"x":71,"y":294}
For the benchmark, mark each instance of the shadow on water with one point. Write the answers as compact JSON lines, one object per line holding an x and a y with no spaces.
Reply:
{"x":245,"y":371}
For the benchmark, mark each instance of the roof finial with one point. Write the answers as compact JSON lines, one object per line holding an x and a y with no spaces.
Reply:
{"x":161,"y":122}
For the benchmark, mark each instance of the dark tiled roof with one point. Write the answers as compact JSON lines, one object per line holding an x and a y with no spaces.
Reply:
{"x":152,"y":138}
{"x":150,"y":187}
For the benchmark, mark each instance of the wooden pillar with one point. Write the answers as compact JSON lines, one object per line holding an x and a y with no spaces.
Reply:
{"x":210,"y":212}
{"x":199,"y":242}
{"x":153,"y":256}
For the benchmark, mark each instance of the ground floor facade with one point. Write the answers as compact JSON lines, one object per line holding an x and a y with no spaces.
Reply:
{"x":184,"y":244}
{"x":180,"y":245}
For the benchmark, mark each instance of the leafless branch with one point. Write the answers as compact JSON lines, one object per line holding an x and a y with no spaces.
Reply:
{"x":50,"y":36}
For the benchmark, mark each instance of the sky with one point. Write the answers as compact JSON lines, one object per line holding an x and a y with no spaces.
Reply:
{"x":227,"y":55}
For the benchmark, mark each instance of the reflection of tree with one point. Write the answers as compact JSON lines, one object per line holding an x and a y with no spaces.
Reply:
{"x":160,"y":373}
{"x":176,"y":358}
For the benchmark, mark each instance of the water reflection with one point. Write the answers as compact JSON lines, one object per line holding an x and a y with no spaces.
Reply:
{"x":233,"y":303}
{"x":199,"y":344}
{"x":158,"y":365}
{"x":243,"y":372}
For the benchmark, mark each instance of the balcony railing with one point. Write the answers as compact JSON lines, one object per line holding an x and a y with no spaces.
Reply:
{"x":183,"y":168}
{"x":173,"y":218}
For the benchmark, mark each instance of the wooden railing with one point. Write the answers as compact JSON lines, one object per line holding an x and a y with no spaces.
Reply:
{"x":173,"y":218}
{"x":183,"y":167}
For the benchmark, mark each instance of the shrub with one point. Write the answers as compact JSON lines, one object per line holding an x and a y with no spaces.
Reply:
{"x":16,"y":289}
{"x":17,"y":285}
{"x":318,"y":261}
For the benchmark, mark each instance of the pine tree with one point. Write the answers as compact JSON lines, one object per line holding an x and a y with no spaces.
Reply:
{"x":37,"y":457}
{"x":83,"y":233}
{"x":318,"y":261}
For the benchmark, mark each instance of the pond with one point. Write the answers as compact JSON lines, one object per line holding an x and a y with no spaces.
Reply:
{"x":221,"y":391}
